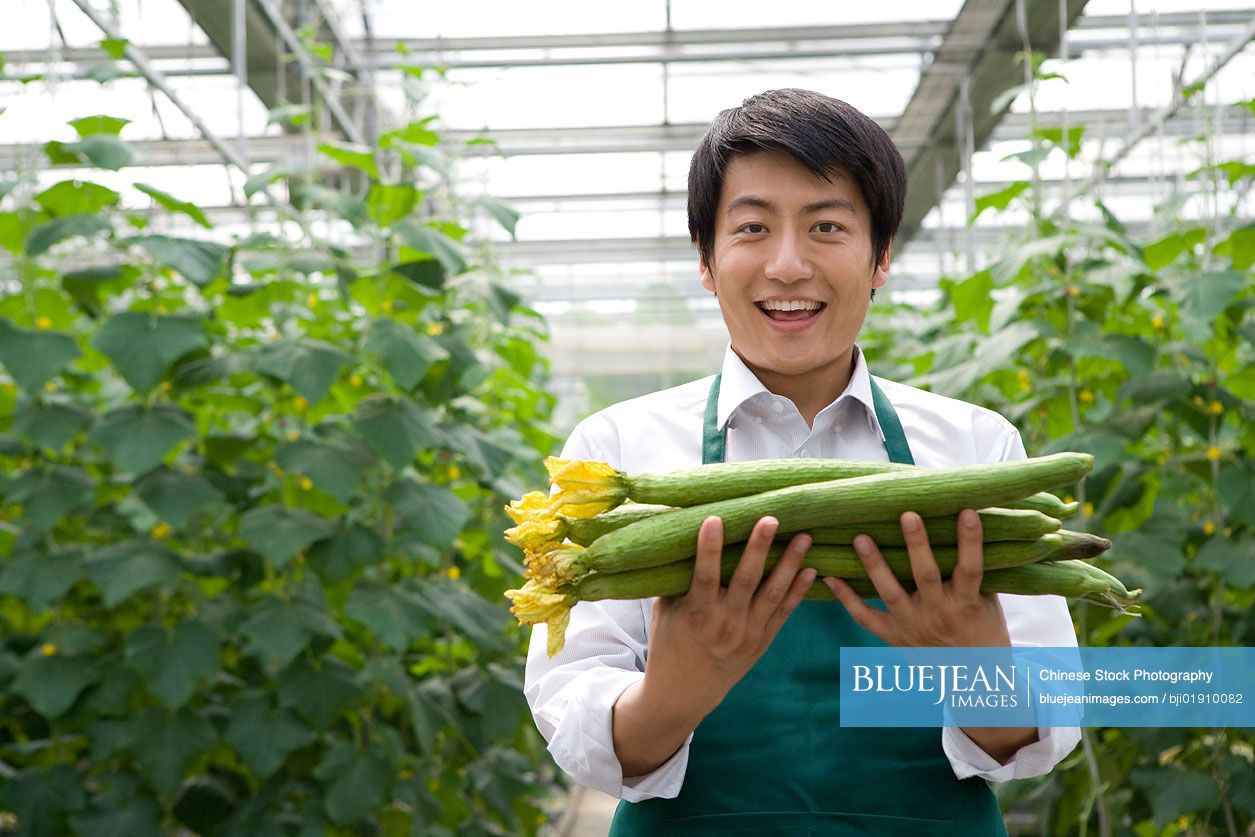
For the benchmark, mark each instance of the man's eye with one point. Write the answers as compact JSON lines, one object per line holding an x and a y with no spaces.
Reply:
{"x":753,"y":229}
{"x":828,"y":227}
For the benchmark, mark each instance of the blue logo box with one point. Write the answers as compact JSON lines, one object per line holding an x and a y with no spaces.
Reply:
{"x":1048,"y":687}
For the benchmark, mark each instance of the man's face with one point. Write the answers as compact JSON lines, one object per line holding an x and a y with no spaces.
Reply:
{"x":787,"y":239}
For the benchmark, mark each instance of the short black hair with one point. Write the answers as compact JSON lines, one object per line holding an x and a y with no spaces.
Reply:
{"x":826,"y":135}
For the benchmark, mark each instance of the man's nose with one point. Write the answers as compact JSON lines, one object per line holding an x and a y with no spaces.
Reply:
{"x":788,"y":261}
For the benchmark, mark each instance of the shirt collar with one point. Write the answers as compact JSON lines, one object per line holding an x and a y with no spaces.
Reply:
{"x":738,"y":385}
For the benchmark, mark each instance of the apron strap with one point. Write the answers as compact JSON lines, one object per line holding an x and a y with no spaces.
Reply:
{"x":715,"y":441}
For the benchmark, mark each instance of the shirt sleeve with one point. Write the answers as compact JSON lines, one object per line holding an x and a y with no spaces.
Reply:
{"x":1032,"y":621}
{"x":572,"y":694}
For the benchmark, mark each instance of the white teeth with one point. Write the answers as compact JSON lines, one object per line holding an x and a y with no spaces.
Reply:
{"x":790,"y":305}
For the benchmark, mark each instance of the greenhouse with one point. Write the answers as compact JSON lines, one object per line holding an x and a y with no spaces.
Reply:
{"x":358,"y":382}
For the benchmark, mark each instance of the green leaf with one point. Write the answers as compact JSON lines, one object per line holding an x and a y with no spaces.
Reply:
{"x":397,"y":429}
{"x":309,"y":366}
{"x":1031,"y":156}
{"x":103,"y":72}
{"x":89,"y":126}
{"x":173,"y":665}
{"x":173,"y":204}
{"x":142,"y":345}
{"x":391,"y":614}
{"x":506,"y":215}
{"x":415,"y":133}
{"x":276,"y":631}
{"x":358,"y":783}
{"x":1233,"y":559}
{"x":57,"y":230}
{"x":48,"y":493}
{"x":1004,"y":99}
{"x":1158,"y":388}
{"x":41,"y":580}
{"x":1161,"y":253}
{"x":999,"y":199}
{"x":334,"y":468}
{"x":1151,"y":551}
{"x":1236,"y":485}
{"x":121,"y":570}
{"x":352,"y":155}
{"x":489,"y":458}
{"x":495,"y":694}
{"x":389,"y":204}
{"x":319,"y":694}
{"x":263,"y":735}
{"x":1203,"y":296}
{"x":138,"y":437}
{"x":427,"y":273}
{"x":12,"y":232}
{"x":973,"y":299}
{"x":348,"y":550}
{"x":51,"y":684}
{"x":990,"y":354}
{"x":422,"y":155}
{"x":258,"y":182}
{"x":101,"y":150}
{"x":33,"y":357}
{"x":139,"y":815}
{"x":1055,"y":136}
{"x":407,"y":355}
{"x":484,"y":623}
{"x":433,"y":512}
{"x":176,"y":497}
{"x":115,"y":47}
{"x":278,"y":534}
{"x":295,"y":115}
{"x":170,"y":743}
{"x":76,"y":197}
{"x":199,"y":261}
{"x":434,"y":243}
{"x":1240,"y":247}
{"x":41,"y":798}
{"x":1175,"y":791}
{"x":50,"y":424}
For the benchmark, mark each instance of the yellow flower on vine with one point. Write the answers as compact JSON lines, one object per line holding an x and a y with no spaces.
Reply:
{"x":162,"y":530}
{"x":1213,"y":453}
{"x":43,"y":322}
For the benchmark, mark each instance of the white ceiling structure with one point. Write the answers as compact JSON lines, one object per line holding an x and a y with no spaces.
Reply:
{"x":594,"y":109}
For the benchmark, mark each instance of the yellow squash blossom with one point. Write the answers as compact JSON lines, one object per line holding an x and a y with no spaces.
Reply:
{"x":557,"y":566}
{"x":536,"y":603}
{"x":585,"y":488}
{"x":539,"y":534}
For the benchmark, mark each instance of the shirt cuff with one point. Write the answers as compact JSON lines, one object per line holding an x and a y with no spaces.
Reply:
{"x":1033,"y":759}
{"x":583,"y":744}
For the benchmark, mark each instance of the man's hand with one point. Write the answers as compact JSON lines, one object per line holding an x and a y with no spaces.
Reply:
{"x":701,"y":644}
{"x":952,"y":612}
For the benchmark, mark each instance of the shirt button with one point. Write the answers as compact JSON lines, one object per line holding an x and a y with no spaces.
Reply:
{"x":778,"y":406}
{"x":836,"y":428}
{"x":758,"y":419}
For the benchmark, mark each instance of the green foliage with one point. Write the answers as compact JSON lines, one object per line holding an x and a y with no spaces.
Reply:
{"x":1140,"y":351}
{"x":251,"y":563}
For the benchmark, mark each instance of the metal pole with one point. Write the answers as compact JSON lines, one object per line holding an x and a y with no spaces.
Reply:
{"x":239,"y":59}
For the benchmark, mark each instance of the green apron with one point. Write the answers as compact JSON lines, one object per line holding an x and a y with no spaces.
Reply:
{"x":773,"y":758}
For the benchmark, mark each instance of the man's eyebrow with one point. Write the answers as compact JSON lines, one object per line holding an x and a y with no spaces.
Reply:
{"x":831,"y":203}
{"x":751,"y":200}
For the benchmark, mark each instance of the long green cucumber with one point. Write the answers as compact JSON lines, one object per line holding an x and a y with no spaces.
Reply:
{"x":831,"y":560}
{"x":1074,"y":579}
{"x":668,"y":536}
{"x":997,"y":525}
{"x":726,"y":480}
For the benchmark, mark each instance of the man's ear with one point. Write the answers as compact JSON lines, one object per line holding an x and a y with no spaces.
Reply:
{"x":881,"y":275}
{"x":708,"y":276}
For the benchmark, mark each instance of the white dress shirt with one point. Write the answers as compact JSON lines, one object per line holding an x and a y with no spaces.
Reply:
{"x":571,"y":695}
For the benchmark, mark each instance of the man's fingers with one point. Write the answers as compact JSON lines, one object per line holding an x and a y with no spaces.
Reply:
{"x":779,"y":613}
{"x":775,"y":591}
{"x":881,"y":577}
{"x":706,"y":567}
{"x":970,"y":566}
{"x":749,"y":570}
{"x":876,"y":621}
{"x":923,"y":565}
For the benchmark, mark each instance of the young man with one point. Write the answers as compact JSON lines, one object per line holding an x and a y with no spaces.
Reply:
{"x":717,"y":712}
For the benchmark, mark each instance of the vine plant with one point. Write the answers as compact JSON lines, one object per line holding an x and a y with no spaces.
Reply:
{"x":1138,"y":347}
{"x":250,"y":555}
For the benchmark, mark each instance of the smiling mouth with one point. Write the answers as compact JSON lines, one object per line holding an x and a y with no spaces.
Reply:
{"x":798,"y":314}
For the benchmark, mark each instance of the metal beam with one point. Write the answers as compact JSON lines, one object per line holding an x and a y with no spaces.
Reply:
{"x":269,"y":39}
{"x":987,"y":72}
{"x":683,"y":137}
{"x":889,"y":37}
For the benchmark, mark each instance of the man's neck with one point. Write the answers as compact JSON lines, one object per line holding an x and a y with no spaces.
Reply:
{"x":811,"y":391}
